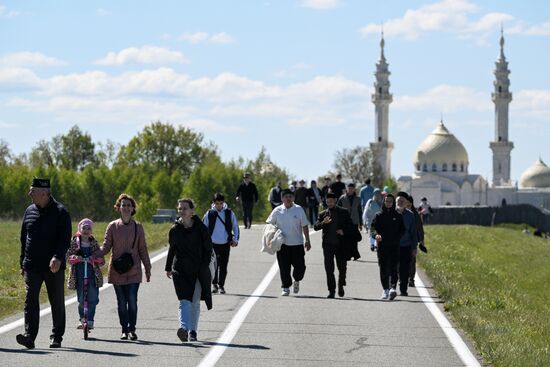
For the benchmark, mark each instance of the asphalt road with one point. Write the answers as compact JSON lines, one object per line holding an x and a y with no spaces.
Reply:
{"x":301,"y":330}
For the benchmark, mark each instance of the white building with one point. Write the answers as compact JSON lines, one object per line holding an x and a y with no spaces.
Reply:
{"x":441,"y":161}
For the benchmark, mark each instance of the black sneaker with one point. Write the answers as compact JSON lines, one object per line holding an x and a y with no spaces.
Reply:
{"x":182,"y":334}
{"x":341,"y":291}
{"x":192,"y":336}
{"x":133,"y":335}
{"x":214,"y":288}
{"x":411,"y":283}
{"x":124,"y":336}
{"x":330,"y":295}
{"x":55,"y":343}
{"x":222,"y":290}
{"x":404,"y":293}
{"x":25,"y":341}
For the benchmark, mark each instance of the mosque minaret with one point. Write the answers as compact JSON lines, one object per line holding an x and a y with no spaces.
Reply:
{"x":382,"y":98}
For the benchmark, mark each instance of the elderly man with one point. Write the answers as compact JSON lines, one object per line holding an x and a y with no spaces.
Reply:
{"x":45,"y":238}
{"x":292,"y":221}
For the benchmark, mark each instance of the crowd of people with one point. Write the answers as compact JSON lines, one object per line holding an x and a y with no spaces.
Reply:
{"x":199,"y":249}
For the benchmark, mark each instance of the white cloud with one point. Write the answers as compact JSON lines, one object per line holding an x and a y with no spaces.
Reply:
{"x":103,"y":12}
{"x":7,"y":13}
{"x":19,"y":79}
{"x":293,"y":71}
{"x":532,"y":103}
{"x":143,"y":55}
{"x":445,"y":98}
{"x":29,"y":59}
{"x":198,"y":37}
{"x":542,"y":29}
{"x":320,"y":4}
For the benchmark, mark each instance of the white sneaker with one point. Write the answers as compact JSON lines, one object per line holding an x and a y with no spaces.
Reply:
{"x":385,"y":294}
{"x":296,"y":286}
{"x":285,"y":292}
{"x":393,"y":294}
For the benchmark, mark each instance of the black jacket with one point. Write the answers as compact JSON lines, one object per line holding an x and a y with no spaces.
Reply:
{"x":248,"y":192}
{"x":189,"y":258}
{"x":45,"y":232}
{"x":388,"y":224}
{"x":343,"y":221}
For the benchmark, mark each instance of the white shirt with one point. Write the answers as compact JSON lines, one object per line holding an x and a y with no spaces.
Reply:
{"x":291,"y":222}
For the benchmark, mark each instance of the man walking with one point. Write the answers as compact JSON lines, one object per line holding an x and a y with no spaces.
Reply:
{"x":324,"y":191}
{"x":247,"y":194}
{"x":292,"y":221}
{"x":373,"y":207}
{"x":45,"y":238}
{"x":387,"y":229}
{"x":275,"y":195}
{"x":338,"y":187}
{"x":366,"y":193}
{"x":408,"y":242}
{"x":300,"y":195}
{"x":350,"y":201}
{"x":224,"y":231}
{"x":334,"y":221}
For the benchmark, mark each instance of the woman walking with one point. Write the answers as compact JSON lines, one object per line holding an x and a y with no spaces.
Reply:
{"x":126,"y":236}
{"x":187,"y":264}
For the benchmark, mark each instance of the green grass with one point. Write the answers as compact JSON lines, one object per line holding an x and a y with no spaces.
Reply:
{"x":495,"y":283}
{"x":12,"y":287}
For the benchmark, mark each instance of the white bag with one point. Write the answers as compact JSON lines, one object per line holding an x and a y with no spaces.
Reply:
{"x":213,"y":264}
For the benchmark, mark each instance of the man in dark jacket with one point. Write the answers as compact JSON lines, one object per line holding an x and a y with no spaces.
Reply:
{"x":247,"y":194}
{"x":335,"y":222}
{"x":351,"y":202}
{"x":45,"y":238}
{"x":387,"y":228}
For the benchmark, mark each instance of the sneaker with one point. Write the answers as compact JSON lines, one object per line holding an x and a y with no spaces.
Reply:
{"x":404,"y":293}
{"x":214,"y":288}
{"x":341,"y":291}
{"x":182,"y":334}
{"x":385,"y":294}
{"x":222,"y":290}
{"x":330,"y":295}
{"x":133,"y":335}
{"x":55,"y":343}
{"x":80,"y":326}
{"x":411,"y":283}
{"x":192,"y":336}
{"x":124,"y":336}
{"x":25,"y":341}
{"x":393,"y":294}
{"x":296,"y":286}
{"x":285,"y":292}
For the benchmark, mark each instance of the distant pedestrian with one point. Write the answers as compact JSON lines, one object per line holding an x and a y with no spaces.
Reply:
{"x":421,"y":244}
{"x":324,"y":190}
{"x":247,"y":194}
{"x":83,"y":246}
{"x":293,"y":185}
{"x":224,"y":231}
{"x":373,"y":207}
{"x":313,"y":201}
{"x":408,"y":243}
{"x":300,"y":195}
{"x":274,"y":196}
{"x":387,"y":229}
{"x":425,"y":210}
{"x":338,"y":187}
{"x":45,"y":238}
{"x":366,"y":193}
{"x":126,"y":236}
{"x":334,"y":221}
{"x":292,"y":221}
{"x":351,"y":202}
{"x":187,"y":264}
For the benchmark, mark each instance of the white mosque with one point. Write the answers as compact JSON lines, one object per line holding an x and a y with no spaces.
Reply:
{"x":441,"y":161}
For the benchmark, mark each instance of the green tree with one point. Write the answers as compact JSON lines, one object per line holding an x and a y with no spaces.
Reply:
{"x":164,"y":147}
{"x":76,"y":149}
{"x":42,"y":155}
{"x":5,"y":153}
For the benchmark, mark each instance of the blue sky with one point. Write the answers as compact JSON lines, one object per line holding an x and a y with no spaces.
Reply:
{"x":294,"y":76}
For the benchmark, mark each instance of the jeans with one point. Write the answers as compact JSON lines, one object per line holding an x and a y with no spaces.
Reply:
{"x":222,"y":257}
{"x":93,"y":292}
{"x":289,"y":256}
{"x":126,"y":296}
{"x":55,"y":285}
{"x":190,"y":311}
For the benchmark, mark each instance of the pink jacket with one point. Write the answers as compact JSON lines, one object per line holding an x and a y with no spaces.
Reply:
{"x":119,"y":238}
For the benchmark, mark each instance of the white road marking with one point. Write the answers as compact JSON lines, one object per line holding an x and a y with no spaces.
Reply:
{"x":456,"y":341}
{"x":70,"y":301}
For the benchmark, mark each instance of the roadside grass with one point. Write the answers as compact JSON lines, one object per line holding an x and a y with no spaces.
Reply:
{"x":12,"y":287}
{"x":495,"y":283}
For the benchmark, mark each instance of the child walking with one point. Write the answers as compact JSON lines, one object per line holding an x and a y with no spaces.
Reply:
{"x":85,"y":245}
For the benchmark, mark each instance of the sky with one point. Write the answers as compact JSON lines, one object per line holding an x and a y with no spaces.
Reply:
{"x":293,"y":76}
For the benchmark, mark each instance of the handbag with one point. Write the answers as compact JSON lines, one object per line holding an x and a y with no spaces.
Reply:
{"x":125,"y":262}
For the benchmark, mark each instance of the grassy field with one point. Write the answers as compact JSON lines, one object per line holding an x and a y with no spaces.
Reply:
{"x":495,"y":283}
{"x":12,"y":287}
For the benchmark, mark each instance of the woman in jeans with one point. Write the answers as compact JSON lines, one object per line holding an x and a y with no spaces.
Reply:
{"x":125,"y":235}
{"x":187,"y":264}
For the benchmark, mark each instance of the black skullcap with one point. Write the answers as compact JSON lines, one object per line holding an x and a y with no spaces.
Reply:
{"x":287,"y":192}
{"x":43,"y":183}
